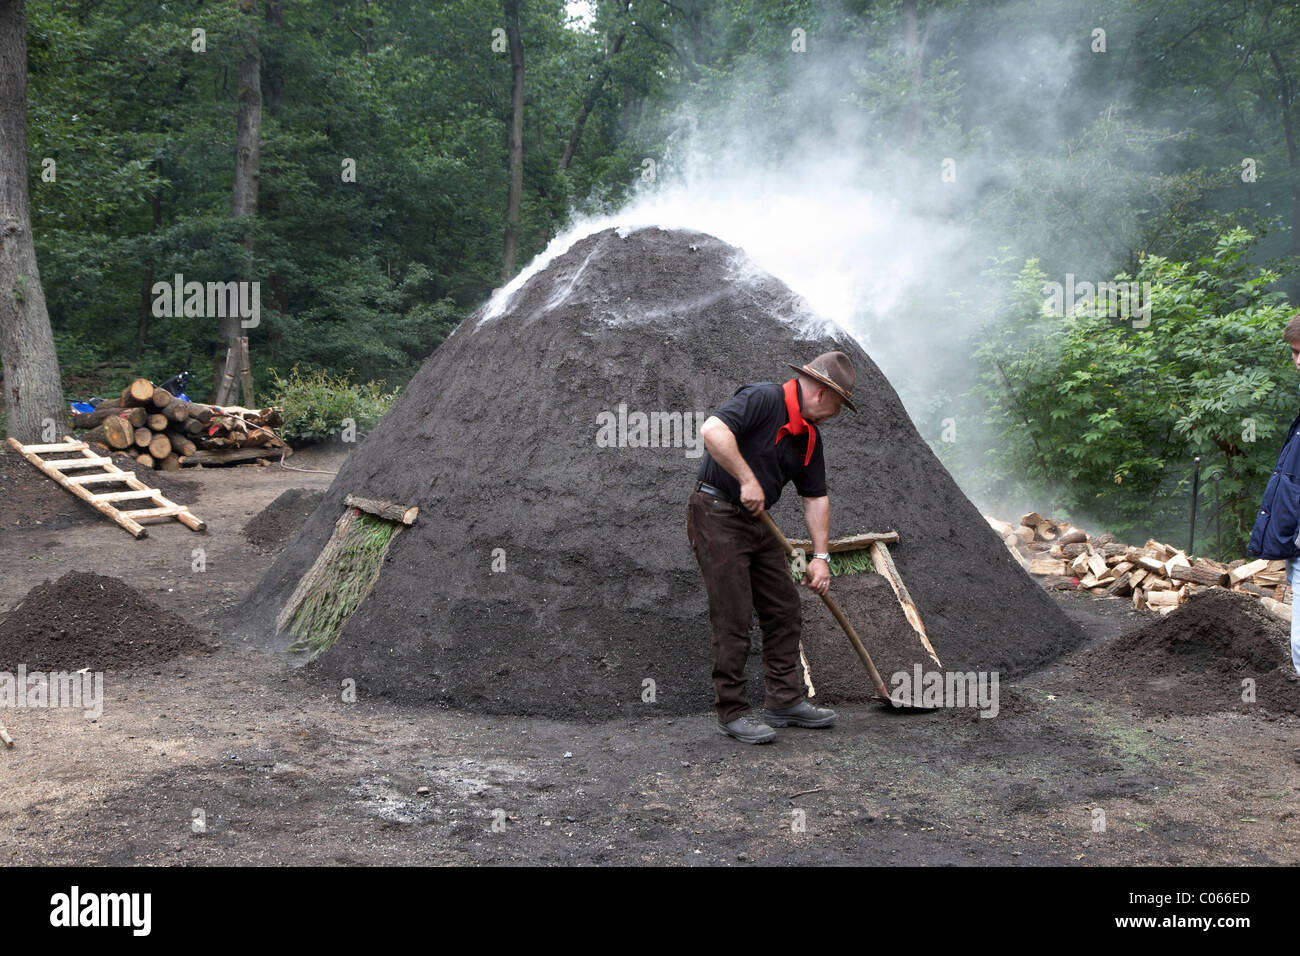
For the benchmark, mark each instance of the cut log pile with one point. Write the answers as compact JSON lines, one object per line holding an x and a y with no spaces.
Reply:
{"x":164,"y":432}
{"x":1156,"y":576}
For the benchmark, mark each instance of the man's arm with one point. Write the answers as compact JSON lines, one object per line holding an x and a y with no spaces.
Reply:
{"x":817,"y":516}
{"x":721,"y":444}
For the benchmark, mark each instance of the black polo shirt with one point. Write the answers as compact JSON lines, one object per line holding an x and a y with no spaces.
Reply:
{"x":754,"y":415}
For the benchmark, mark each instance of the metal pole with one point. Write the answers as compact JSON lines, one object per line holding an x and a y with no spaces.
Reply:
{"x":1196,"y":487}
{"x":1218,"y":536}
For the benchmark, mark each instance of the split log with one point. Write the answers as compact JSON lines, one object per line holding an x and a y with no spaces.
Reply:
{"x":885,"y":567}
{"x":1163,"y":598}
{"x":1279,"y":610}
{"x":1137,"y":576}
{"x":143,"y":437}
{"x":1097,"y":565}
{"x":1074,"y":549}
{"x":138,"y":393}
{"x":1121,"y":587}
{"x":1156,"y":583}
{"x":1025,"y":534}
{"x":1043,"y":566}
{"x":1247,"y":571}
{"x":1003,"y":528}
{"x":1151,"y":564}
{"x":156,"y":422}
{"x":1073,"y":536}
{"x":1139,"y":599}
{"x":393,"y":512}
{"x":160,"y":447}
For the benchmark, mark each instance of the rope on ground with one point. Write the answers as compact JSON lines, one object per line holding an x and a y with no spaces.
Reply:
{"x":305,"y":471}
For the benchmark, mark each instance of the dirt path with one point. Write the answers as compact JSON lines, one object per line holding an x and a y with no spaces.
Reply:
{"x":235,"y":758}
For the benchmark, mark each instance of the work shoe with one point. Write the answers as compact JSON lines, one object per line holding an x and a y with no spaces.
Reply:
{"x":749,"y":729}
{"x":802,"y":714}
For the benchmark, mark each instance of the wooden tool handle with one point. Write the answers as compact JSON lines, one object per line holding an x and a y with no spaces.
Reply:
{"x":837,"y":614}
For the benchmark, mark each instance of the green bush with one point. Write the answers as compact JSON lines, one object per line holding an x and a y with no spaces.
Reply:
{"x":318,"y":406}
{"x":1101,"y":417}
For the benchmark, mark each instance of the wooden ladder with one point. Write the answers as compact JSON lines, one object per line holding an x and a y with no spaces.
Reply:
{"x":107,"y":472}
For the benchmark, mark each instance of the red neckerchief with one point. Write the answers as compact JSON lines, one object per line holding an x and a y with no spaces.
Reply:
{"x":796,"y":425}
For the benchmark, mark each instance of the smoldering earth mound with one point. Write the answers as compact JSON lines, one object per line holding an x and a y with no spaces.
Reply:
{"x":1194,"y":661}
{"x":495,"y":439}
{"x":93,"y":621}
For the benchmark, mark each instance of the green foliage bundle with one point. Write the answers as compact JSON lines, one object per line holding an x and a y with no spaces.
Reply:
{"x":348,"y":568}
{"x":318,"y":405}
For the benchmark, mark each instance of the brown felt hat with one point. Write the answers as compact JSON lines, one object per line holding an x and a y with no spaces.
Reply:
{"x":834,"y":370}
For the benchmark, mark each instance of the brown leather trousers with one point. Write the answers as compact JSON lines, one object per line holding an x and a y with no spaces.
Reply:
{"x":745,"y":571}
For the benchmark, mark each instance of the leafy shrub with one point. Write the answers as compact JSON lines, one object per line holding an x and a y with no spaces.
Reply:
{"x":1103,"y":416}
{"x":318,"y":406}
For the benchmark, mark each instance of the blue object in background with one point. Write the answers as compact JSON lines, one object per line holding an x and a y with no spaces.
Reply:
{"x":82,"y":407}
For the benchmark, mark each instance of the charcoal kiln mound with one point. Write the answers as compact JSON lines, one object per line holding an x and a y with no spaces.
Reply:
{"x":547,"y":572}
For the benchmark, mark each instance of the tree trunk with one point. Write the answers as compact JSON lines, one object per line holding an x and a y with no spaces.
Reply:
{"x":593,"y":93}
{"x":516,"y":138}
{"x":33,"y":391}
{"x":243,"y":201}
{"x":1286,"y":97}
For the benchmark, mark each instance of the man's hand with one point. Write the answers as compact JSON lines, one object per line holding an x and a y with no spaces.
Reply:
{"x":817,"y":578}
{"x":721,"y":444}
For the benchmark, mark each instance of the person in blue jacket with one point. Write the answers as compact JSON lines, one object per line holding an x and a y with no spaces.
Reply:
{"x":1277,"y":526}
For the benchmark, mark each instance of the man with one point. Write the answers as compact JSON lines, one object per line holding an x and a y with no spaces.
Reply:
{"x":1277,"y":526}
{"x":764,"y":436}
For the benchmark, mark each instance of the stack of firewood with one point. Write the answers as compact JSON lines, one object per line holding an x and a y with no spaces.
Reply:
{"x":1155,"y":576}
{"x":162,"y":431}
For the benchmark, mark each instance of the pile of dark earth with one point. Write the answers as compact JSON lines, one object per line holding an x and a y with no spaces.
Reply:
{"x":90,"y":621}
{"x":548,"y":572}
{"x":34,"y":501}
{"x":1218,"y":652}
{"x":275,"y":524}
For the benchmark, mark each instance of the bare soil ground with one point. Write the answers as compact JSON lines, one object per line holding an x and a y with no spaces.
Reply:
{"x":236,"y":758}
